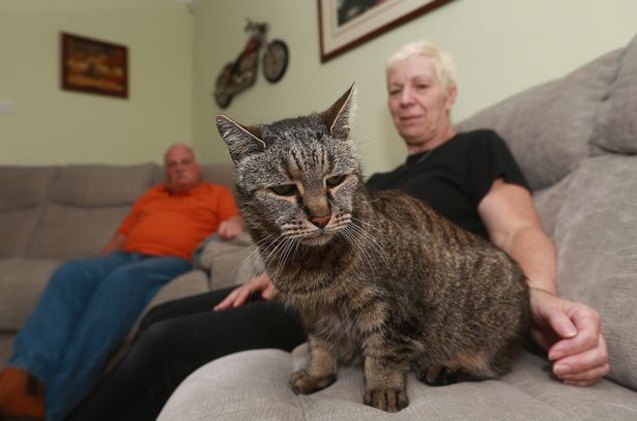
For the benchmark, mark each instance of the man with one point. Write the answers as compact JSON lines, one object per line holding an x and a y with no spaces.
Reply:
{"x":89,"y":305}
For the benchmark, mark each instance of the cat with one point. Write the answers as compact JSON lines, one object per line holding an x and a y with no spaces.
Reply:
{"x":379,"y":279}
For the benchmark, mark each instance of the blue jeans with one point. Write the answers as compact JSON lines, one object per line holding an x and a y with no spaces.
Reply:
{"x":86,"y":310}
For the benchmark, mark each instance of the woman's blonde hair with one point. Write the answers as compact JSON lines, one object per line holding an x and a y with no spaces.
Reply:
{"x":442,"y":62}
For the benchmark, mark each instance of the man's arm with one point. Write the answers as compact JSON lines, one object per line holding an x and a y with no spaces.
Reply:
{"x":115,"y":243}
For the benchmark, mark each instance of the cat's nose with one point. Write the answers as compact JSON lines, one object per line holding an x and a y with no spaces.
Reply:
{"x":321,"y":221}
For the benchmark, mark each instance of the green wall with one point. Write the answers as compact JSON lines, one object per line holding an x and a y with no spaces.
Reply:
{"x":51,"y":126}
{"x":500,"y":47}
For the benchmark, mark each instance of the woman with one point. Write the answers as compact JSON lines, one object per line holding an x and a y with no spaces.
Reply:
{"x":471,"y":178}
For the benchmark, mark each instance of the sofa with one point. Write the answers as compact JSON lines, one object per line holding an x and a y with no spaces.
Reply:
{"x":576,"y":140}
{"x":50,"y":214}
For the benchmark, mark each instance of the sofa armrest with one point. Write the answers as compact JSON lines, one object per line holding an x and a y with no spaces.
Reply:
{"x":229,"y":262}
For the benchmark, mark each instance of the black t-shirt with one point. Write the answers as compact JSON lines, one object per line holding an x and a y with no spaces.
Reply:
{"x":454,"y":177}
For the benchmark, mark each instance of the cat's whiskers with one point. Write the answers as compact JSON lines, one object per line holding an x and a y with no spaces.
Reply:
{"x":267,"y":246}
{"x":292,"y":227}
{"x":288,"y":252}
{"x":378,"y":231}
{"x":299,"y":231}
{"x":264,"y":245}
{"x":349,"y":233}
{"x":276,"y":254}
{"x":359,"y":226}
{"x":371,"y":248}
{"x":254,"y":255}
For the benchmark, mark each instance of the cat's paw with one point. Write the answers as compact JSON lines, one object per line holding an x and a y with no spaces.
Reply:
{"x":437,"y":375}
{"x":389,"y":400}
{"x":301,"y":382}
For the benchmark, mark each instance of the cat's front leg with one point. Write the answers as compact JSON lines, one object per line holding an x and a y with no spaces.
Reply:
{"x":319,"y":372}
{"x":384,"y":385}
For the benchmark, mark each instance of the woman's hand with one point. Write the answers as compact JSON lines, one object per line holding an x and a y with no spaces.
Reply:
{"x":571,"y":333}
{"x":259,"y":284}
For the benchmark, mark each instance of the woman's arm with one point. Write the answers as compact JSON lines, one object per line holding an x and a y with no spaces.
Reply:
{"x":569,"y":331}
{"x":509,"y":215}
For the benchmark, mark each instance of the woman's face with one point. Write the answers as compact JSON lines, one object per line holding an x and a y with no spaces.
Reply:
{"x":420,"y":106}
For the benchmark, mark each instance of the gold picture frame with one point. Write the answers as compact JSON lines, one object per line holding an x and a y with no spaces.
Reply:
{"x":93,"y":66}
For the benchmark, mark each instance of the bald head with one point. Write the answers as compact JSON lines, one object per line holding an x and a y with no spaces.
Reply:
{"x":182,"y":172}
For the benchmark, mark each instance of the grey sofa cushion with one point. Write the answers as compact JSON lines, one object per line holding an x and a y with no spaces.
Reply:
{"x":23,"y":280}
{"x":548,"y":127}
{"x":101,"y":185}
{"x":219,"y":174}
{"x":24,"y":187}
{"x":617,"y":128}
{"x":253,"y":385}
{"x":16,"y":228}
{"x":23,"y":191}
{"x":70,"y":232}
{"x":595,"y":234}
{"x":548,"y":203}
{"x":229,"y":262}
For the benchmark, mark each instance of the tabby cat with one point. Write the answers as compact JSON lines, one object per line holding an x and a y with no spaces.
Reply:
{"x":379,"y":279}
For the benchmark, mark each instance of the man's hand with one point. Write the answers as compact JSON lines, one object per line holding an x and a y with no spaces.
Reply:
{"x":230,"y":228}
{"x":571,"y":333}
{"x":259,"y":284}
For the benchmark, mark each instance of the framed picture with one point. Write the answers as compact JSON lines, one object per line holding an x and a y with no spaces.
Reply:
{"x":346,"y":24}
{"x":93,"y":66}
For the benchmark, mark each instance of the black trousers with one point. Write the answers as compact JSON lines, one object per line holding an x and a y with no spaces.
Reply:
{"x":174,"y":340}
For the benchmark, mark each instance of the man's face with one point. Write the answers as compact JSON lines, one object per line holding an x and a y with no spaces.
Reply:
{"x":418,"y":103}
{"x":181,"y":169}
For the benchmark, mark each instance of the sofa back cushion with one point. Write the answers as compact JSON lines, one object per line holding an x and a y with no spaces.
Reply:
{"x":70,"y":232}
{"x":548,"y":127}
{"x":23,"y":191}
{"x":212,"y":173}
{"x":24,"y":187}
{"x":616,"y":129}
{"x":595,"y":232}
{"x":101,"y":185}
{"x":219,"y":174}
{"x":86,"y":205}
{"x":17,"y":227}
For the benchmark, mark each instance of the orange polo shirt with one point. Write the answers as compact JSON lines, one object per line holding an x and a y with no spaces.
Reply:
{"x":166,"y":224}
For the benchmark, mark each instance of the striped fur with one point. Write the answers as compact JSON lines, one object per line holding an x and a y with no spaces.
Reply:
{"x":379,"y":279}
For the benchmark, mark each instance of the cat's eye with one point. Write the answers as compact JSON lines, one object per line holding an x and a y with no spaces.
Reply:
{"x":334,"y":180}
{"x":284,"y":189}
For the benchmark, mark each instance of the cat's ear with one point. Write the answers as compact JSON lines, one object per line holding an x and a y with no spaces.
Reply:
{"x":241,"y":140}
{"x":339,"y":116}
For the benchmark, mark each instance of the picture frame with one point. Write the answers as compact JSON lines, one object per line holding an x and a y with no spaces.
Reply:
{"x":93,"y":66}
{"x":346,"y":24}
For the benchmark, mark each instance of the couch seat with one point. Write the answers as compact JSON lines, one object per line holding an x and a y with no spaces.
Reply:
{"x":253,"y":385}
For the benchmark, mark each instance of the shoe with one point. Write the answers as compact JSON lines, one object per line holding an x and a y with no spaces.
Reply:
{"x":21,"y":395}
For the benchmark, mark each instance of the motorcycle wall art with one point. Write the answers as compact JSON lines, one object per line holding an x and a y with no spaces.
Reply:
{"x":242,"y":73}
